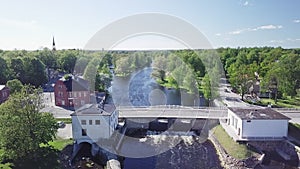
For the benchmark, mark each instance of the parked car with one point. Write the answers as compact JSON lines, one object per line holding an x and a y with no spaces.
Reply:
{"x":61,"y":124}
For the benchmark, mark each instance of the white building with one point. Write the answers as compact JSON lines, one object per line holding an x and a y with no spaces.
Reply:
{"x":92,"y":122}
{"x":246,"y":124}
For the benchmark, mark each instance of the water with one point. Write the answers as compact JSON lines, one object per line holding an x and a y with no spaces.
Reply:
{"x":140,"y":89}
{"x":183,"y":155}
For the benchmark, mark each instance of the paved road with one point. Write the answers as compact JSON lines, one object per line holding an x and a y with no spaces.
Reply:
{"x":66,"y":132}
{"x":233,"y":100}
{"x":50,"y":107}
{"x":169,"y":112}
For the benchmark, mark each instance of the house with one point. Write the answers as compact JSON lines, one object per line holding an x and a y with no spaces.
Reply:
{"x":247,"y":124}
{"x":93,"y":122}
{"x":4,"y":93}
{"x":71,"y":92}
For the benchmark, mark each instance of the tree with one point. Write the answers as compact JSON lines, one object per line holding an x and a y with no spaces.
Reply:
{"x":4,"y":71}
{"x":14,"y":85}
{"x":208,"y":88}
{"x":90,"y":73}
{"x":67,"y":61}
{"x":23,"y":127}
{"x":34,"y":71}
{"x":17,"y":67}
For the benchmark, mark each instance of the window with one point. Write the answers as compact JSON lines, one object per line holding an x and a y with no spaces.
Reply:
{"x":75,"y":94}
{"x":97,"y":122}
{"x":84,"y":94}
{"x":70,"y":94}
{"x":90,"y":122}
{"x":60,"y":94}
{"x":82,"y":102}
{"x":79,"y":94}
{"x":83,"y":132}
{"x":83,"y":122}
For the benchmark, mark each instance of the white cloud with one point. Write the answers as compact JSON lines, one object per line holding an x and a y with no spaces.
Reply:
{"x":296,"y":21}
{"x":217,"y":34}
{"x":246,"y":3}
{"x":264,"y":27}
{"x":237,"y":32}
{"x":293,"y":40}
{"x":268,"y":27}
{"x":276,"y":41}
{"x":18,"y":24}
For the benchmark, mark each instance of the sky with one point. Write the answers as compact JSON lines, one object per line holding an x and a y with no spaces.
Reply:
{"x":31,"y":24}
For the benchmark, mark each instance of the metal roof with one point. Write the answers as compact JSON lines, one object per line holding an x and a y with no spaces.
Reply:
{"x":258,"y":113}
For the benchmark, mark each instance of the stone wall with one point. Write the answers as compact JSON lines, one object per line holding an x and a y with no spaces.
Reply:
{"x":230,"y":162}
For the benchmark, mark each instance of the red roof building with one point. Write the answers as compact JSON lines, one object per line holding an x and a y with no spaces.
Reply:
{"x":71,"y":92}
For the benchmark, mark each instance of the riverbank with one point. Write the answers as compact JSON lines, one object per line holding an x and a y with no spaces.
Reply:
{"x":257,"y":154}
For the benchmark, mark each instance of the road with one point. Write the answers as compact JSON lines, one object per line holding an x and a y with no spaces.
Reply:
{"x":234,"y":100}
{"x":65,"y":133}
{"x":172,"y":112}
{"x":58,"y":112}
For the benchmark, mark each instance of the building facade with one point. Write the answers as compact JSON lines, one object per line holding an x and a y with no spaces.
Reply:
{"x":71,"y":92}
{"x":257,"y":124}
{"x":4,"y":93}
{"x":92,"y":122}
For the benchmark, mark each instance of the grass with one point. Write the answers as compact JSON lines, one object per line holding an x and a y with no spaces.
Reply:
{"x":59,"y":144}
{"x":288,"y":102}
{"x":66,"y":120}
{"x":235,"y":149}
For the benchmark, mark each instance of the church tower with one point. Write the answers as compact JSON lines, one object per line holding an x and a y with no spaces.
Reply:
{"x":53,"y":45}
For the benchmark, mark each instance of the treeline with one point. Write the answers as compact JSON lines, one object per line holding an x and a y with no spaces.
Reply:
{"x":192,"y":70}
{"x":278,"y":69}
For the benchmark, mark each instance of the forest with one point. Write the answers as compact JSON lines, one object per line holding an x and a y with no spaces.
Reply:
{"x":277,"y":69}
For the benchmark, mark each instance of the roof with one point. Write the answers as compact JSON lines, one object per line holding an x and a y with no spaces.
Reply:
{"x":2,"y":87}
{"x":75,"y":84}
{"x":94,"y":110}
{"x":258,"y":113}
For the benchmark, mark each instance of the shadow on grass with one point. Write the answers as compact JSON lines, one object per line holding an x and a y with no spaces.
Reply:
{"x":46,"y":158}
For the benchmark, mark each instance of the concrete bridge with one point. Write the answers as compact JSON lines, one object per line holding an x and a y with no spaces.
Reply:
{"x":184,"y":112}
{"x":173,"y":111}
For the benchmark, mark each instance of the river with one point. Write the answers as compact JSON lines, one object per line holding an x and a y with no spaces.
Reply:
{"x":140,"y":89}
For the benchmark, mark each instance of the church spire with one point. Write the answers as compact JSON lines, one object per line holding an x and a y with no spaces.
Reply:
{"x":53,"y":44}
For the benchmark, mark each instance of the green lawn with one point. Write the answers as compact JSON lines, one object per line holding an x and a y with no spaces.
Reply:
{"x":59,"y":144}
{"x":235,"y":149}
{"x":66,"y":120}
{"x":288,"y":103}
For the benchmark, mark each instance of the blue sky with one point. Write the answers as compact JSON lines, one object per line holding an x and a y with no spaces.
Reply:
{"x":30,"y":24}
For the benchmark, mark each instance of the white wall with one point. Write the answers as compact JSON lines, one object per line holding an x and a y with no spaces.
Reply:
{"x":265,"y":128}
{"x":94,"y":132}
{"x":235,"y":127}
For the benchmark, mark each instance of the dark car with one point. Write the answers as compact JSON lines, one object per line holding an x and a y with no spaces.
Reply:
{"x":61,"y":124}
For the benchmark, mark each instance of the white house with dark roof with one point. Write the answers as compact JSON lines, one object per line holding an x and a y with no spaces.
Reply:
{"x":93,"y":122}
{"x":247,"y":124}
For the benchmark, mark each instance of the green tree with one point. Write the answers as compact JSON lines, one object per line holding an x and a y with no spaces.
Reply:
{"x":34,"y":71}
{"x":23,"y":127}
{"x":4,"y":71}
{"x":14,"y":85}
{"x":67,"y":61}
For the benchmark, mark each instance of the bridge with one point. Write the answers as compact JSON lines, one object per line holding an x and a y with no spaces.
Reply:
{"x":173,"y":111}
{"x":184,"y":112}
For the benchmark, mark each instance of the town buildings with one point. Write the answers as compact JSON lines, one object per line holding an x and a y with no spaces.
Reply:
{"x":93,"y":122}
{"x":247,"y":124}
{"x":71,"y":91}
